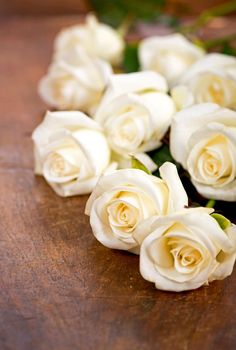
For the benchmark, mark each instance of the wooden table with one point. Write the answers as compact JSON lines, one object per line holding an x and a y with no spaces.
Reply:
{"x":60,"y":289}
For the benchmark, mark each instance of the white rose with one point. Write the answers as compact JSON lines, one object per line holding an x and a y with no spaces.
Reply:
{"x":135,"y":112}
{"x":169,"y":55}
{"x":123,"y":199}
{"x":76,"y":81}
{"x":71,"y":152}
{"x":98,"y":39}
{"x":211,"y":79}
{"x":185,"y":250}
{"x":203,"y":140}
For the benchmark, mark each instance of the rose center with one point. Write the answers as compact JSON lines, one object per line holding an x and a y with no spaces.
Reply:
{"x":185,"y":256}
{"x":212,"y":165}
{"x":62,"y":163}
{"x":125,"y":134}
{"x":211,"y":161}
{"x":57,"y":165}
{"x":189,"y":257}
{"x":123,"y":215}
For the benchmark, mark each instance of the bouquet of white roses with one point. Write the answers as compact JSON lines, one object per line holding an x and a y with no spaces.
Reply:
{"x":123,"y":137}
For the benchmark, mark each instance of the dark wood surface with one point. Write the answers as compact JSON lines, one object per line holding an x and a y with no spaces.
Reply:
{"x":59,"y":288}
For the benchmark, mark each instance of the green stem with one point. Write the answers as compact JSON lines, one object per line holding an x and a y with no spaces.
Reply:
{"x":125,"y":25}
{"x":211,"y":203}
{"x":208,"y":44}
{"x":208,"y":15}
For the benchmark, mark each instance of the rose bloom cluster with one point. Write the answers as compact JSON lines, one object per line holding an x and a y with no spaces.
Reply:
{"x":104,"y":120}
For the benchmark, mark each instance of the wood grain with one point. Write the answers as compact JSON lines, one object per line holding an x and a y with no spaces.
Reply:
{"x":59,"y":288}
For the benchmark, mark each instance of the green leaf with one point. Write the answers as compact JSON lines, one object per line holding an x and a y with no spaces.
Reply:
{"x":211,"y":203}
{"x":228,"y":49}
{"x":222,"y":220}
{"x":136,"y":164}
{"x":208,"y":14}
{"x":131,"y":61}
{"x":169,"y":20}
{"x":113,"y":12}
{"x":160,"y":156}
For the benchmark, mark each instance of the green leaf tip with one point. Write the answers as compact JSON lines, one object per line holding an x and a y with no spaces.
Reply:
{"x":136,"y":164}
{"x":131,"y":60}
{"x":211,"y":203}
{"x":222,"y":220}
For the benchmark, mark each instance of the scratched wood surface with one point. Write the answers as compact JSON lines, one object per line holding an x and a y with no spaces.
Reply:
{"x":59,"y":288}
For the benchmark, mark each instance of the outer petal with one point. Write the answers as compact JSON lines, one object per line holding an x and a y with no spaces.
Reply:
{"x":89,"y":137}
{"x":95,"y":148}
{"x":153,"y":47}
{"x":187,"y":121}
{"x":227,"y":192}
{"x":103,"y":232}
{"x":152,"y":224}
{"x":178,"y":198}
{"x":149,"y":272}
{"x":98,"y":39}
{"x":171,"y":41}
{"x":81,"y":187}
{"x":139,"y":82}
{"x":162,"y":109}
{"x":68,"y":120}
{"x":75,"y":83}
{"x":182,"y":96}
{"x":154,"y":110}
{"x":125,"y":163}
{"x":147,"y":161}
{"x":226,"y":260}
{"x":76,"y":188}
{"x":135,"y":177}
{"x":213,"y":62}
{"x":37,"y":162}
{"x":199,"y":223}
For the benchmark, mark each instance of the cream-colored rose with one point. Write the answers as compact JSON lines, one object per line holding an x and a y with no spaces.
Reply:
{"x":211,"y":79}
{"x":185,"y":250}
{"x":135,"y":112}
{"x":203,"y":140}
{"x":98,"y":39}
{"x":75,"y":81}
{"x":169,"y":55}
{"x":71,"y":152}
{"x":123,"y":199}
